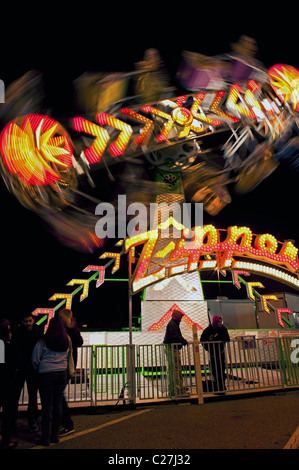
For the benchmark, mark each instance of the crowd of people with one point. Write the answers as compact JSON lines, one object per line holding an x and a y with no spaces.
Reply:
{"x":45,"y":361}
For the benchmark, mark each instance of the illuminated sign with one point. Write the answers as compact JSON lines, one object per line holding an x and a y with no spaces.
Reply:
{"x":33,"y":147}
{"x":209,"y":250}
{"x":208,"y":254}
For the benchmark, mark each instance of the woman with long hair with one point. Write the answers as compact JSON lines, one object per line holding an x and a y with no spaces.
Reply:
{"x":50,"y":359}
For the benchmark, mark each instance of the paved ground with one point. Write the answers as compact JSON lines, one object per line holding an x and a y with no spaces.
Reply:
{"x":259,"y":421}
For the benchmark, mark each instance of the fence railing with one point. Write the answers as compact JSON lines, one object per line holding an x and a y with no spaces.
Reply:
{"x":136,"y":373}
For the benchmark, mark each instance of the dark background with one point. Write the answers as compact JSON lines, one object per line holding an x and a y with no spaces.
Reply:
{"x":63,"y":43}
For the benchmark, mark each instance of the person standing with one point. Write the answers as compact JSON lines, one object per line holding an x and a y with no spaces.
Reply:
{"x":26,"y":336}
{"x":71,"y":326}
{"x":174,"y":341}
{"x":213,"y":339}
{"x":8,"y":383}
{"x":50,"y":359}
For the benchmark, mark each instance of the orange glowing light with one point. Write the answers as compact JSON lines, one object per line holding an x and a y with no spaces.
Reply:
{"x":239,"y":242}
{"x":215,"y":107}
{"x":96,"y":150}
{"x":279,"y":311}
{"x":232,"y":102}
{"x":67,"y":297}
{"x":180,"y":115}
{"x":100,"y":269}
{"x":34,"y":150}
{"x":202,"y":117}
{"x":166,"y":317}
{"x":119,"y":146}
{"x":147,"y":130}
{"x":235,"y":277}
{"x":45,"y":311}
{"x":285,"y":83}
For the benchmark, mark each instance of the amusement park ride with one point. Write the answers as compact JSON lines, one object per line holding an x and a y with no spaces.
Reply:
{"x":229,"y":121}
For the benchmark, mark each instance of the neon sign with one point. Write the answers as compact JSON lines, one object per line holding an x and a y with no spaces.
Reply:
{"x":30,"y":148}
{"x":208,"y":250}
{"x":175,"y":267}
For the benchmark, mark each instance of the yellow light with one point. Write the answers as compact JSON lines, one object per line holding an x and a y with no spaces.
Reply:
{"x":112,"y":255}
{"x":214,"y":108}
{"x":234,"y":106}
{"x":290,"y":252}
{"x":194,"y":110}
{"x":30,"y":151}
{"x":265,"y":303}
{"x":250,"y":290}
{"x":169,"y":121}
{"x":119,"y":146}
{"x":147,"y":130}
{"x":285,"y":83}
{"x":67,"y":297}
{"x":206,"y":241}
{"x":165,"y":251}
{"x":85,"y":284}
{"x":266,"y":242}
{"x":235,"y":233}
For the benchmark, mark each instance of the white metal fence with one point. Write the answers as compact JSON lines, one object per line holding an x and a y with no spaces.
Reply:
{"x":122,"y":373}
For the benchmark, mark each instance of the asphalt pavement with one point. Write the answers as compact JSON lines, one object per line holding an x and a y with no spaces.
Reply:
{"x":267,"y":421}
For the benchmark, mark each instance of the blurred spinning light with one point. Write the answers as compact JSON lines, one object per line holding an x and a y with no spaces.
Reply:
{"x":285,"y":83}
{"x":36,"y":150}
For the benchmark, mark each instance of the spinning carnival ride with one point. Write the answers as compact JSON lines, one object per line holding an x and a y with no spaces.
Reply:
{"x":227,"y":122}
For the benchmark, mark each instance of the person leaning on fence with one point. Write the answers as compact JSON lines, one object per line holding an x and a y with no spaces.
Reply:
{"x":51,"y":358}
{"x":173,"y":336}
{"x":26,"y":336}
{"x":70,"y":324}
{"x":214,"y":338}
{"x":8,"y":383}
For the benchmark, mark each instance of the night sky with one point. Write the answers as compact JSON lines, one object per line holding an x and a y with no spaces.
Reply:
{"x":34,"y":265}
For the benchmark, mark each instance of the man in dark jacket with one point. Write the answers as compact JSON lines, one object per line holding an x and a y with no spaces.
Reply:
{"x":173,"y":336}
{"x":26,"y":336}
{"x":173,"y":332}
{"x":213,"y":339}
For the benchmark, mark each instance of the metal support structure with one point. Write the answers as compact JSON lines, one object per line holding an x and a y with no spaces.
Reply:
{"x":197,"y":366}
{"x":131,"y":347}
